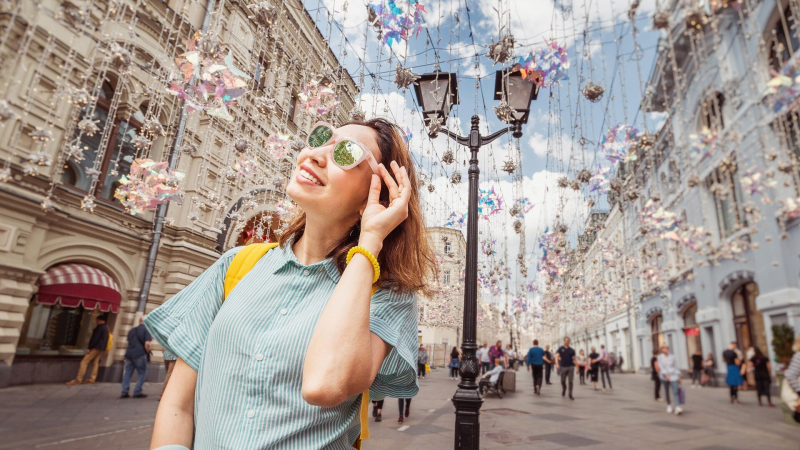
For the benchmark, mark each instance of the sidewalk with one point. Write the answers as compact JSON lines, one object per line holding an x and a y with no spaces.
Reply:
{"x":92,"y":416}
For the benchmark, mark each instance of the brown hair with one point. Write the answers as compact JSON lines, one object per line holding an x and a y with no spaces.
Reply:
{"x":406,"y":259}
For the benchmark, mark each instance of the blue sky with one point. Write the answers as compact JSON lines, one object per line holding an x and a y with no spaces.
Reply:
{"x":600,"y":41}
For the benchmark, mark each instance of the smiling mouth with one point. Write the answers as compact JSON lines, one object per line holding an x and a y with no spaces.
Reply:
{"x":308,"y":176}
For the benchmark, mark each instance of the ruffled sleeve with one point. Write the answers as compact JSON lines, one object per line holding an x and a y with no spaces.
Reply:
{"x":393,"y":318}
{"x":181,"y":324}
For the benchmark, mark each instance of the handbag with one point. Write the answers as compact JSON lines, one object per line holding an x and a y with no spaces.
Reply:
{"x":455,"y":363}
{"x":681,"y":396}
{"x":788,"y":395}
{"x":427,"y":368}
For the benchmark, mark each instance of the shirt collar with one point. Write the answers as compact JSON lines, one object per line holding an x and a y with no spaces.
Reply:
{"x":288,"y":258}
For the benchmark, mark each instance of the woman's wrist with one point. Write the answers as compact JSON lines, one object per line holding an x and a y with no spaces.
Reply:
{"x":371,"y":243}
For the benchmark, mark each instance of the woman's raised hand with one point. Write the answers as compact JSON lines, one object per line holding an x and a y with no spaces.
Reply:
{"x":378,"y":220}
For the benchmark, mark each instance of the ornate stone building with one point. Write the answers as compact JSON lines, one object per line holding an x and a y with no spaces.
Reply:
{"x":110,"y":62}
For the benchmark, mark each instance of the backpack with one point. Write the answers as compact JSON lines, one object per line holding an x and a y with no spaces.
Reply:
{"x":110,"y":342}
{"x":245,"y":260}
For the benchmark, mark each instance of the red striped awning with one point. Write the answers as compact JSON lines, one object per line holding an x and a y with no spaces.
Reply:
{"x":73,"y":285}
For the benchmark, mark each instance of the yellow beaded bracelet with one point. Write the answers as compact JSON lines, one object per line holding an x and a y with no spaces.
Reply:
{"x":375,"y":266}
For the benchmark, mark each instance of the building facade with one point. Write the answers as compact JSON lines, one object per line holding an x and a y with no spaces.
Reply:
{"x":111,"y":63}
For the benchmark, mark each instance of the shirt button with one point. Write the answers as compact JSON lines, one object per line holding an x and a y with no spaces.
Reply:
{"x":306,"y":272}
{"x":251,"y":414}
{"x":284,"y":311}
{"x":259,"y":356}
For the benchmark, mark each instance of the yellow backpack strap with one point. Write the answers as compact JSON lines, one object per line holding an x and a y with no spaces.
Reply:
{"x":245,"y":260}
{"x":364,"y":407}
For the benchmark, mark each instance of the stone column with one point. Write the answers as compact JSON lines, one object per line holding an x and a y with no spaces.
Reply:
{"x":16,"y":289}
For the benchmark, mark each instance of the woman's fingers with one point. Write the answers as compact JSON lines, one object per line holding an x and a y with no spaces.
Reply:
{"x":374,"y":190}
{"x":390,"y":183}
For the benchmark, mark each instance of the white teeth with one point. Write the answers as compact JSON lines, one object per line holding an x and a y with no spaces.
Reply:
{"x":309,"y":177}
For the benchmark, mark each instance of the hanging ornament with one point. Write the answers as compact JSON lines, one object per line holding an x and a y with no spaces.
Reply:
{"x":431,"y":188}
{"x":545,"y":66}
{"x":88,"y":127}
{"x":358,"y":115}
{"x":502,"y":50}
{"x":661,"y":20}
{"x":593,"y":92}
{"x":504,"y":112}
{"x":74,"y":152}
{"x":562,"y":182}
{"x":435,"y":127}
{"x":79,"y":97}
{"x":509,"y":166}
{"x":394,"y":22}
{"x":47,"y":205}
{"x":6,"y":112}
{"x":784,"y":87}
{"x":88,"y":203}
{"x":404,"y":77}
{"x":277,"y":145}
{"x":584,"y":175}
{"x":242,"y":145}
{"x":646,"y":140}
{"x":264,"y":14}
{"x":189,"y":149}
{"x":297,"y":144}
{"x":448,"y":157}
{"x":40,"y":158}
{"x":148,"y":185}
{"x":140,"y":142}
{"x":264,"y":105}
{"x":121,"y":59}
{"x":152,"y":127}
{"x":575,"y":185}
{"x":39,"y":134}
{"x":704,"y":144}
{"x":317,"y":98}
{"x":284,"y":207}
{"x":455,"y":178}
{"x":619,"y":142}
{"x":755,"y":183}
{"x":30,"y":169}
{"x":489,"y":203}
{"x":696,"y":16}
{"x":456,"y":220}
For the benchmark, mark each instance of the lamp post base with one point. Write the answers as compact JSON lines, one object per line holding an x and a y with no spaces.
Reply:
{"x":468,"y":428}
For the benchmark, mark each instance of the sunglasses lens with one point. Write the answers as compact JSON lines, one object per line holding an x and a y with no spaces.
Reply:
{"x":346,"y":153}
{"x":319,"y":136}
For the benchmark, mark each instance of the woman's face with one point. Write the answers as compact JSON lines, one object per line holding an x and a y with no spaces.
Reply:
{"x":322,"y":188}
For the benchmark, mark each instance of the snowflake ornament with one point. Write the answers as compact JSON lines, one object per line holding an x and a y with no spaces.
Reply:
{"x":403,"y":77}
{"x":40,"y":158}
{"x":6,"y":112}
{"x":502,"y":50}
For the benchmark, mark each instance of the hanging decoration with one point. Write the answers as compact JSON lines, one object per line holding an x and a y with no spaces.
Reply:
{"x":264,"y":14}
{"x":504,"y":111}
{"x":600,"y":181}
{"x":502,"y":50}
{"x":210,"y":82}
{"x":593,"y":92}
{"x":148,"y":185}
{"x":317,"y":98}
{"x":489,"y":203}
{"x":277,"y":145}
{"x":455,"y":220}
{"x":395,"y":22}
{"x":784,"y":87}
{"x":619,"y":142}
{"x":285,"y":206}
{"x":704,"y":144}
{"x":756,"y":183}
{"x":545,"y":66}
{"x":403,"y":77}
{"x":455,"y":178}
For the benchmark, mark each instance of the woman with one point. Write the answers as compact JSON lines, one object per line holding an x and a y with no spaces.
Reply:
{"x":670,"y":375}
{"x":654,"y":375}
{"x":422,"y":361}
{"x":747,"y":370}
{"x":455,"y":363}
{"x":792,"y":375}
{"x":582,"y":366}
{"x":377,"y":410}
{"x":733,"y":379}
{"x":404,"y":412}
{"x":710,"y":368}
{"x":594,"y":360}
{"x":761,"y":368}
{"x":298,"y":340}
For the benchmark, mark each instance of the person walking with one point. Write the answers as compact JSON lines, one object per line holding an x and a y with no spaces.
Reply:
{"x":422,"y":360}
{"x":565,"y":362}
{"x":483,"y":356}
{"x":548,"y":364}
{"x":97,"y":346}
{"x":668,"y":370}
{"x":612,"y":361}
{"x":594,"y":366}
{"x":404,"y":412}
{"x":697,"y":369}
{"x":654,"y":375}
{"x":620,"y":363}
{"x":747,"y":370}
{"x":792,"y":375}
{"x":762,"y":375}
{"x":734,"y":377}
{"x":377,"y":410}
{"x":511,"y":356}
{"x":497,"y":352}
{"x":582,"y":366}
{"x":169,"y":364}
{"x":605,"y":362}
{"x":455,"y":363}
{"x":535,"y":362}
{"x":136,"y":357}
{"x":710,"y":368}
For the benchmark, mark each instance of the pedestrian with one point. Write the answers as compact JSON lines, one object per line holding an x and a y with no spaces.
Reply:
{"x":491,"y":376}
{"x":604,"y":364}
{"x":792,"y":375}
{"x":582,"y":366}
{"x":136,"y":357}
{"x":455,"y":363}
{"x":97,"y":346}
{"x":328,"y":314}
{"x":734,"y":377}
{"x":620,"y":362}
{"x":497,"y":352}
{"x":169,"y":364}
{"x":747,"y":370}
{"x":483,"y":356}
{"x":594,"y":364}
{"x":762,"y":374}
{"x":565,"y":362}
{"x":422,"y":361}
{"x":548,"y":364}
{"x":535,"y":361}
{"x":377,"y":410}
{"x":671,"y":376}
{"x":404,"y":412}
{"x":697,"y":369}
{"x":654,"y":375}
{"x":511,"y":356}
{"x":612,"y":361}
{"x":710,"y":368}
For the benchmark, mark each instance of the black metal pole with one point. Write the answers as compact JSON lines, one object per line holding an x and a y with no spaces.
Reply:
{"x":467,"y":400}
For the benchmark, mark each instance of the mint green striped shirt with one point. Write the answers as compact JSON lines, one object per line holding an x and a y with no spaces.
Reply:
{"x":249,"y":353}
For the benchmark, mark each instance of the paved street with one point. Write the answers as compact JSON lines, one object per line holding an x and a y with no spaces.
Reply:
{"x":87,"y":417}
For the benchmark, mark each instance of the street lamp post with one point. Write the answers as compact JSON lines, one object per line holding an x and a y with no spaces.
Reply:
{"x":436,"y":93}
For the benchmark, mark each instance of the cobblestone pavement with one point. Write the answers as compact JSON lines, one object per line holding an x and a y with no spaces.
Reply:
{"x":88,"y":417}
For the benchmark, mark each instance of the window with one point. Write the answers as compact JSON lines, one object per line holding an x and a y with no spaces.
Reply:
{"x":783,"y":40}
{"x":262,"y":69}
{"x":711,"y":112}
{"x":446,"y":277}
{"x":727,"y":192}
{"x":692,"y":332}
{"x":747,"y":319}
{"x":656,"y":332}
{"x":447,"y":248}
{"x":787,"y":128}
{"x":292,"y":107}
{"x":55,"y":330}
{"x":119,"y":151}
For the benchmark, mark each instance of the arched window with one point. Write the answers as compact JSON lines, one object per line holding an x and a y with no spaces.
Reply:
{"x":747,"y":319}
{"x":783,"y":39}
{"x":692,"y":331}
{"x":657,"y":332}
{"x":711,"y":116}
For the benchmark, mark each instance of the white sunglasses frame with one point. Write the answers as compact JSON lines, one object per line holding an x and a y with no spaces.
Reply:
{"x":336,"y":139}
